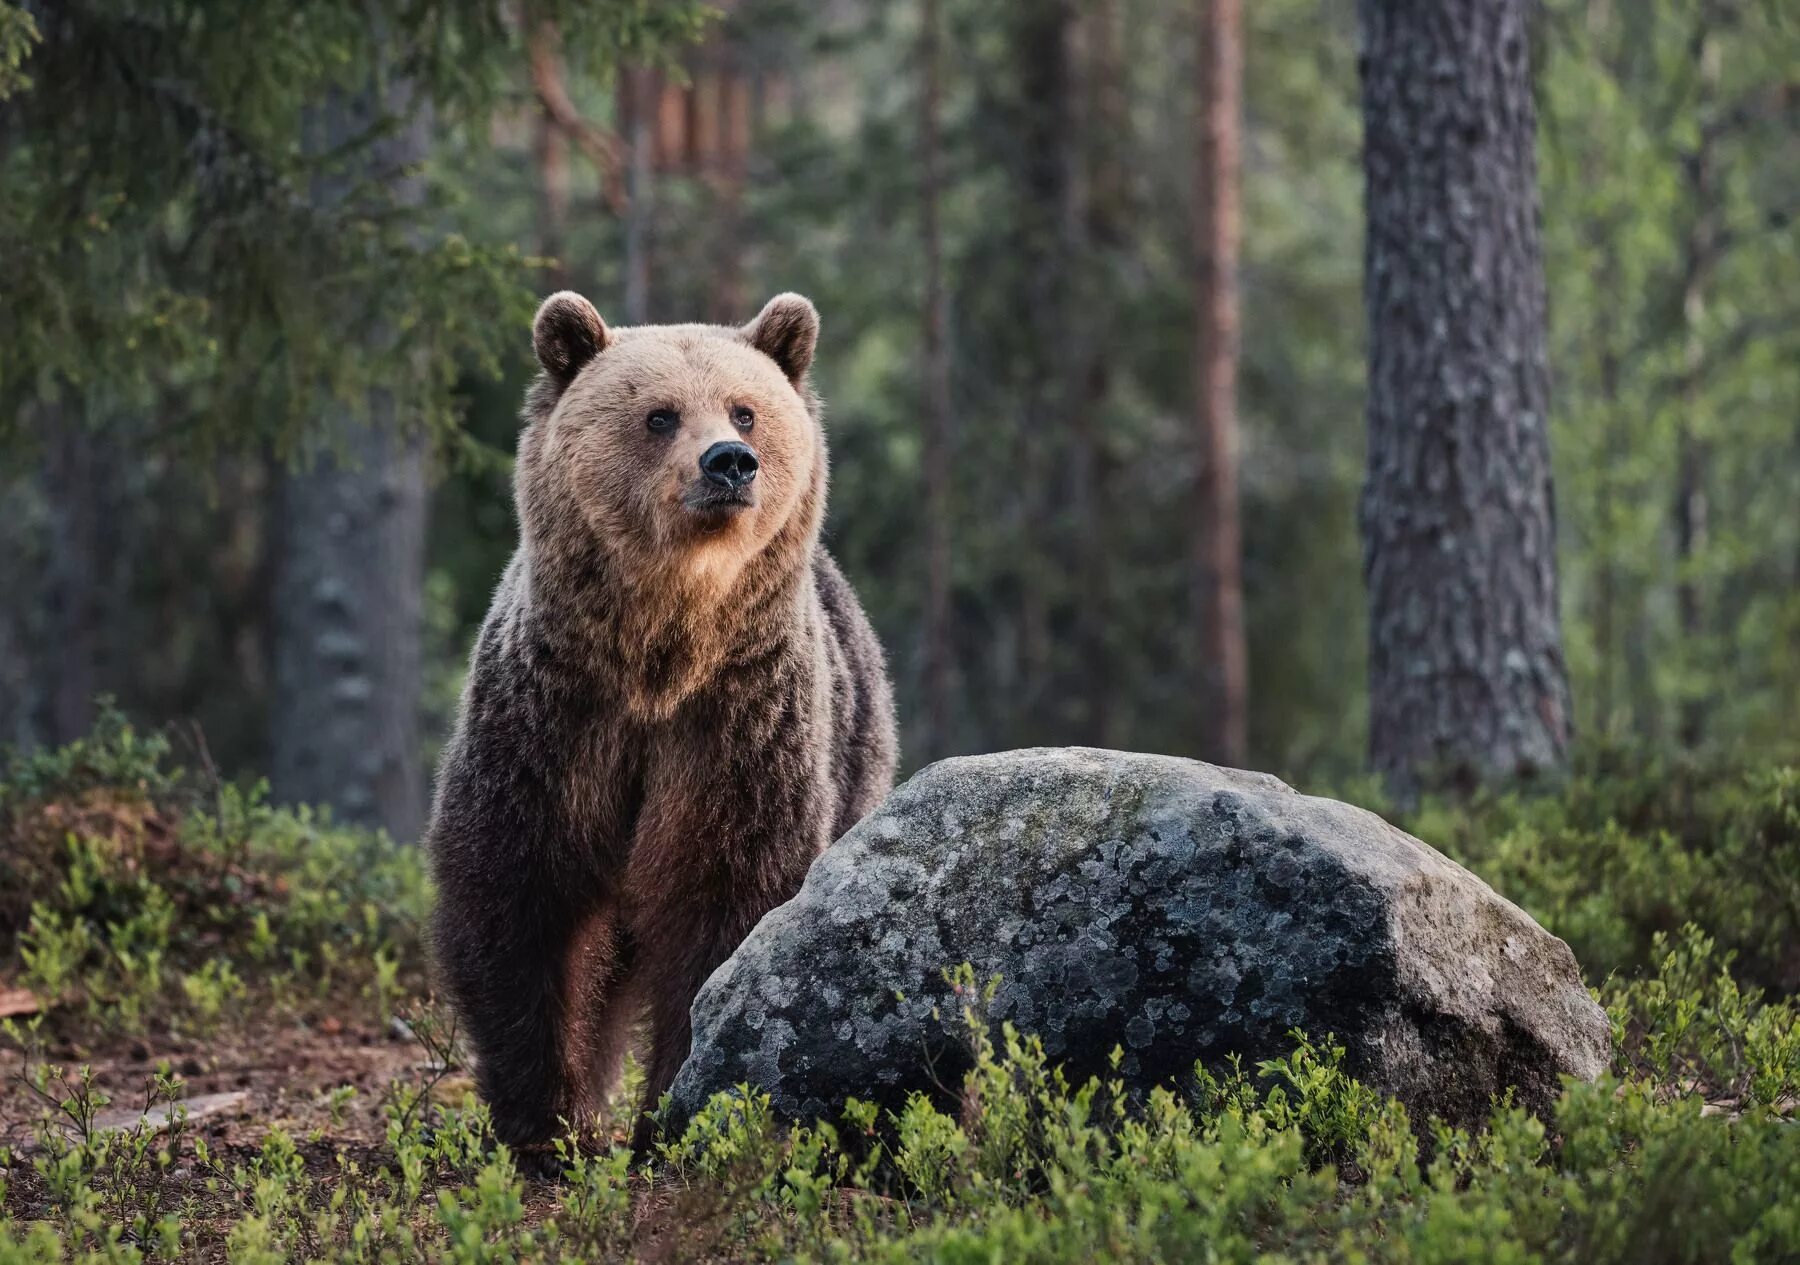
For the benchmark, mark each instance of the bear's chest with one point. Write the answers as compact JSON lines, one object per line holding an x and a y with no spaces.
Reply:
{"x":723,"y":787}
{"x":602,"y":785}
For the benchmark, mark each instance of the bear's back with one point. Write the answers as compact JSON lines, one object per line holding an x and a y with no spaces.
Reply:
{"x":866,"y":747}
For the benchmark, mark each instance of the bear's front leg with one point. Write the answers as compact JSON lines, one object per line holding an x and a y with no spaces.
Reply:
{"x":682,"y":952}
{"x":528,"y":968}
{"x":686,"y":917}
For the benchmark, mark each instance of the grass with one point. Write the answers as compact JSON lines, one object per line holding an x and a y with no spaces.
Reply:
{"x":188,"y":944}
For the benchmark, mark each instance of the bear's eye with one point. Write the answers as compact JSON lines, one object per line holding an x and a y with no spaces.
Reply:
{"x":663,"y":420}
{"x":743,"y":417}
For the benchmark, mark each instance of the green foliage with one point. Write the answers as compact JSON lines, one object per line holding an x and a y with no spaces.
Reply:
{"x":1692,"y":1025}
{"x":223,"y":222}
{"x":18,"y":32}
{"x":1631,"y":849}
{"x":1302,"y":1160}
{"x":114,"y":756}
{"x":138,"y":894}
{"x":1313,"y":1093}
{"x":106,"y":1185}
{"x":1688,"y":1151}
{"x":1669,"y":185}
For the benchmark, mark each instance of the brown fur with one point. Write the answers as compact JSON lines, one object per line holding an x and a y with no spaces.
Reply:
{"x":669,"y":712}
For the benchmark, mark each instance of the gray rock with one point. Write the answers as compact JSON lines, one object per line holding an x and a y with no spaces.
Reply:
{"x":1178,"y":910}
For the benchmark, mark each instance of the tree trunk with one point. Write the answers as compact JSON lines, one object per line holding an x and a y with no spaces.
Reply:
{"x":640,"y":192}
{"x":28,"y":675}
{"x":1039,"y":38}
{"x":1700,"y":251}
{"x":727,"y":298}
{"x":21,"y":684}
{"x":1102,"y":130}
{"x":550,"y":146}
{"x":1466,"y":675}
{"x":937,"y":650}
{"x":86,"y":568}
{"x":349,"y":580}
{"x":1606,"y":580}
{"x":1219,"y":583}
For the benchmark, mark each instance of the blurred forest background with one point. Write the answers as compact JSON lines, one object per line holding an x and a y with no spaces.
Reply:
{"x":1094,"y":353}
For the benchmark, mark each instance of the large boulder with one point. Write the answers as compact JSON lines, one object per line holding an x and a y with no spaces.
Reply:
{"x":1178,"y":910}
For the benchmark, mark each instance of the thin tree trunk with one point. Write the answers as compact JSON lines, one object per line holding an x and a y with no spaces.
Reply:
{"x":28,"y":674}
{"x":640,"y":193}
{"x":937,"y":656}
{"x":21,"y":680}
{"x":732,"y":109}
{"x":1040,"y":46}
{"x":1219,"y":587}
{"x":1104,"y":215}
{"x":349,"y":581}
{"x":78,"y":488}
{"x":551,"y":148}
{"x":19,"y":704}
{"x":1466,"y":673}
{"x":1607,"y":581}
{"x":1691,"y":514}
{"x":1604,"y":235}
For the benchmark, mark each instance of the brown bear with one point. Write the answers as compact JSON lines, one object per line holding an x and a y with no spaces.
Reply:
{"x":674,"y":705}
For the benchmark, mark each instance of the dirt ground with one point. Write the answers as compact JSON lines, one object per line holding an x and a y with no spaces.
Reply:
{"x":285,"y":1076}
{"x":244,"y":1083}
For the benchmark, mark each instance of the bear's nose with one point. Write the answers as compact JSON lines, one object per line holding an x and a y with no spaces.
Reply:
{"x":729,"y":464}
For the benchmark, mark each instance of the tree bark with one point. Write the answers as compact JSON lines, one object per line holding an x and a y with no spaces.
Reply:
{"x":1606,"y":579}
{"x":28,"y":675}
{"x":1102,"y":231}
{"x":936,"y":457}
{"x":550,"y":146}
{"x":640,"y":192}
{"x":1040,"y":43}
{"x":349,"y":580}
{"x":1218,"y":546}
{"x":86,"y":568}
{"x":1467,"y":681}
{"x":1700,"y":259}
{"x":21,"y":683}
{"x":731,"y":110}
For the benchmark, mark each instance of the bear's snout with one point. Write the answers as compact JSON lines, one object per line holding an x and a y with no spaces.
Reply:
{"x":729,"y":464}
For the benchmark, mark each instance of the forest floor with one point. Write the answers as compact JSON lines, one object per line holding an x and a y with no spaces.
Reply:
{"x":244,"y":1080}
{"x":180,"y":941}
{"x":332,"y":1088}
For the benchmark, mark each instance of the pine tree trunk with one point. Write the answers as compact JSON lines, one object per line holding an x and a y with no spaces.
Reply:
{"x":28,"y":674}
{"x":729,"y":111}
{"x":1692,"y":515}
{"x":1606,"y":566}
{"x":937,"y":652}
{"x":550,"y":146}
{"x":86,"y":573}
{"x":21,"y":683}
{"x":1102,"y":233}
{"x":640,"y":192}
{"x":1466,"y":675}
{"x":1039,"y":38}
{"x":1219,"y":587}
{"x":349,"y":580}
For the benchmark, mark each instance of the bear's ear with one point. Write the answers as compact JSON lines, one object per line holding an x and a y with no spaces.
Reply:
{"x":786,"y":331}
{"x":567,"y":333}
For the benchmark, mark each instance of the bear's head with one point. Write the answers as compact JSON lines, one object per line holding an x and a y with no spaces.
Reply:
{"x":675,"y":450}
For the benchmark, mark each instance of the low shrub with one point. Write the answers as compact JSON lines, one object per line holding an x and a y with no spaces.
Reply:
{"x":143,"y":898}
{"x":1616,"y":858}
{"x":1292,"y":1160}
{"x":137,"y":894}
